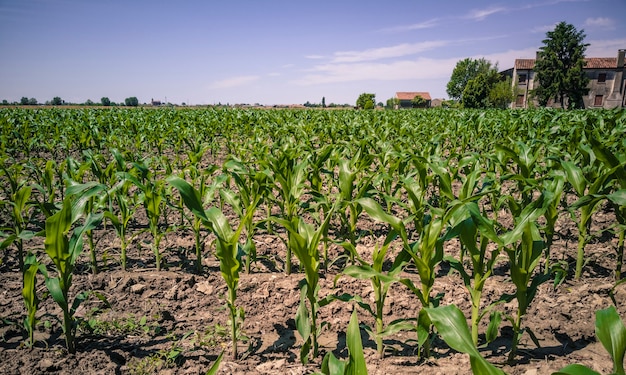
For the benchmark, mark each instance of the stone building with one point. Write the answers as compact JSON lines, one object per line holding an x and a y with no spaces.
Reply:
{"x":607,"y":83}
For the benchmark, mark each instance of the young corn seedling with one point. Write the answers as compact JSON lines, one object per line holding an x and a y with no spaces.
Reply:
{"x":352,"y":186}
{"x":611,"y":332}
{"x":252,"y":188}
{"x":524,"y":246}
{"x":355,"y":365}
{"x":21,"y":209}
{"x":227,"y":249}
{"x":29,"y":293}
{"x":451,"y":326}
{"x":152,"y":192}
{"x":304,"y":239}
{"x":85,"y":203}
{"x":426,"y":254}
{"x":475,"y":232}
{"x":63,"y":251}
{"x":381,"y":282}
{"x":288,"y":176}
{"x":586,"y":184}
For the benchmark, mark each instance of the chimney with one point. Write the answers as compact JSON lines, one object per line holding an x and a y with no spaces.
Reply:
{"x":620,"y":58}
{"x":537,"y":55}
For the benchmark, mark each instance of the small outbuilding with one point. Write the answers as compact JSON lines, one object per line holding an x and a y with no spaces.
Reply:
{"x":406,"y":99}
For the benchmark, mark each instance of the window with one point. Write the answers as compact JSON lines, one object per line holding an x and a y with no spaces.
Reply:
{"x":519,"y":101}
{"x":521,"y":79}
{"x":598,"y":101}
{"x":601,"y":77}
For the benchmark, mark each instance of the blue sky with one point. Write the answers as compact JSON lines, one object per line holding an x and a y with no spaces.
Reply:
{"x":274,"y":51}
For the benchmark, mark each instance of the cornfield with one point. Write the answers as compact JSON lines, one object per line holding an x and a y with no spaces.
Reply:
{"x":439,"y":230}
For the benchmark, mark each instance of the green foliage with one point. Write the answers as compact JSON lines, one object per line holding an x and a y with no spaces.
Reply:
{"x":131,"y":101}
{"x":451,"y":326}
{"x":487,"y":90}
{"x":465,"y":71}
{"x":611,"y":332}
{"x":366,"y":101}
{"x":559,"y":68}
{"x":355,"y":365}
{"x":418,"y":102}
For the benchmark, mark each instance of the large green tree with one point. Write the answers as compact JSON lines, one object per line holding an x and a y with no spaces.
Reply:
{"x":131,"y":102}
{"x":366,"y":101}
{"x":559,"y":67}
{"x":464,"y":71}
{"x":489,"y":89}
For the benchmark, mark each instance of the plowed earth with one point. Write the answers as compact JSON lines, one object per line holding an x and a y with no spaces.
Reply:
{"x":175,"y":322}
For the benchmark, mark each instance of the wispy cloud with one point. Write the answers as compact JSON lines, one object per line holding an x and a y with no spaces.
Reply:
{"x":605,"y":48}
{"x":406,"y":69}
{"x":399,"y":50}
{"x":481,"y":14}
{"x":542,"y":29}
{"x":314,"y":57}
{"x":233,"y":82}
{"x":416,"y":26}
{"x":600,"y":22}
{"x":421,"y":68}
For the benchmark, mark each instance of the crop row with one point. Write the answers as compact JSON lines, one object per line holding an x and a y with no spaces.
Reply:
{"x":494,"y":181}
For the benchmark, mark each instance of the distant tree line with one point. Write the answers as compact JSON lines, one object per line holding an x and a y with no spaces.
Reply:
{"x":104,"y":101}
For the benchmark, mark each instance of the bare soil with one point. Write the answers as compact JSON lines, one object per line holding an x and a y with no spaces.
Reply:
{"x":174,"y":321}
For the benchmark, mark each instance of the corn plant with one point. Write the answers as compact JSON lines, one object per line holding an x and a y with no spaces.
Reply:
{"x":426,"y":254}
{"x":252,"y":189}
{"x":304,"y":239}
{"x":29,"y":294}
{"x":585,"y":182}
{"x":381,"y":282}
{"x":64,"y":252}
{"x":227,"y":249}
{"x":611,"y":332}
{"x":355,"y":365}
{"x":288,"y":175}
{"x":152,"y":192}
{"x":84,"y":202}
{"x":451,"y":326}
{"x":352,"y":186}
{"x":476,"y":233}
{"x":524,"y":245}
{"x":21,"y":210}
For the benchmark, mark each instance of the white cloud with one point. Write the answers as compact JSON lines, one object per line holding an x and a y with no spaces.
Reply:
{"x":600,"y":22}
{"x":422,"y":68}
{"x":399,"y":50}
{"x":481,"y":14}
{"x":416,"y":26}
{"x":314,"y":57}
{"x":543,"y":29}
{"x":605,"y":48}
{"x":233,"y":82}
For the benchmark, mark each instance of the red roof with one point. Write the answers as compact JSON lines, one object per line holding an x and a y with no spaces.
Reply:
{"x":591,"y":63}
{"x":412,"y":95}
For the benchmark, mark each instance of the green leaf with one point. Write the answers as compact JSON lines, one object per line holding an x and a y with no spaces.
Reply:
{"x":216,"y":365}
{"x":612,"y":334}
{"x":576,"y":370}
{"x":356,"y":363}
{"x":452,"y":327}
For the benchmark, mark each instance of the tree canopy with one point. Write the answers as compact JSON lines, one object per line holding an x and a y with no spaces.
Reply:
{"x":481,"y":85}
{"x":131,"y":102}
{"x":559,"y":67}
{"x":464,"y":71}
{"x":366,"y":101}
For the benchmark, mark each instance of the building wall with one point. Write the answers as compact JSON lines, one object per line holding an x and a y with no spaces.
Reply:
{"x":607,"y":87}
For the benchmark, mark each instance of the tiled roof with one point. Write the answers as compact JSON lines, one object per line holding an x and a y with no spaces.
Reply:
{"x":601,"y":62}
{"x":412,"y":95}
{"x":524,"y":63}
{"x":592,"y":63}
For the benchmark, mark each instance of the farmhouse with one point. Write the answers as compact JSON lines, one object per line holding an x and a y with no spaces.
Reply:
{"x":405,"y":99}
{"x":607,"y":83}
